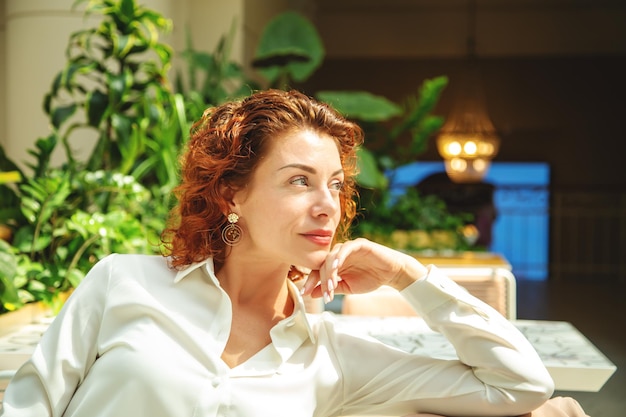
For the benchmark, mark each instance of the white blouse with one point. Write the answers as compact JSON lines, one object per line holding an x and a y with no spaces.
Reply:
{"x":137,"y":338}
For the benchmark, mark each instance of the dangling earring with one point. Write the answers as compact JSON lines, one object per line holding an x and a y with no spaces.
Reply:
{"x":231,"y":235}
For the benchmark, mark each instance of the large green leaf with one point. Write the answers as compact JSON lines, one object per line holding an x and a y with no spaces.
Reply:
{"x":97,"y":103}
{"x":61,"y":113}
{"x":420,"y":134}
{"x":127,"y":9}
{"x":8,"y":263}
{"x":420,"y":106}
{"x":369,"y":175}
{"x":290,"y":32}
{"x":118,"y":85}
{"x":361,"y":105}
{"x":8,"y":268}
{"x":25,"y":240}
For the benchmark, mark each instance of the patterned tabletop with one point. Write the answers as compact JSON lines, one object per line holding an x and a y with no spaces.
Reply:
{"x":572,"y":360}
{"x":16,"y":347}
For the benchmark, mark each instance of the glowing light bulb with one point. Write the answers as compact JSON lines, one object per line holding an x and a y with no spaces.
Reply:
{"x":454,"y":148}
{"x":470,"y":147}
{"x":479,"y":165}
{"x":485,"y":148}
{"x":458,"y":164}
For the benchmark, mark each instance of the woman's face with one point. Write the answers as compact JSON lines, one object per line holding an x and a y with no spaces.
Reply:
{"x":290,"y":210}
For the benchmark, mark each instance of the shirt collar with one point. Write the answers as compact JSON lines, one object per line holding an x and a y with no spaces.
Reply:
{"x":298,"y":323}
{"x":182,"y":273}
{"x":299,"y":312}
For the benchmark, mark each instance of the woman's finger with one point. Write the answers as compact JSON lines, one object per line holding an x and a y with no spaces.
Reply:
{"x":311,"y":282}
{"x":328,"y":274}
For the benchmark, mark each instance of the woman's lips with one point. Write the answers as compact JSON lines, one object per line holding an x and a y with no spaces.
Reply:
{"x":322,"y":237}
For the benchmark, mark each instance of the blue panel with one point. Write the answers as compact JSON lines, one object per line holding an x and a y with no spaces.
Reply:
{"x":520,"y":173}
{"x":521,"y":198}
{"x":499,"y":173}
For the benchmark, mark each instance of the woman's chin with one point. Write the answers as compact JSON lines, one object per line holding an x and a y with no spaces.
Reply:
{"x":315,"y":261}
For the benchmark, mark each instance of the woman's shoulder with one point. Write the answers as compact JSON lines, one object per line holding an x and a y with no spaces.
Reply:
{"x":135,"y":260}
{"x":117,"y":266}
{"x":138,"y":259}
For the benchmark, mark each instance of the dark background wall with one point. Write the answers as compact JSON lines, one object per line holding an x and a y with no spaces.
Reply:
{"x":567,"y":111}
{"x":553,"y":73}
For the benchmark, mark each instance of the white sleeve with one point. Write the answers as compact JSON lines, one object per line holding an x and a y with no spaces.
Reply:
{"x":498,"y":354}
{"x":44,"y":385}
{"x":498,"y":371}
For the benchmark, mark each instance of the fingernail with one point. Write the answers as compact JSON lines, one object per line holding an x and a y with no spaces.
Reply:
{"x":331,"y":286}
{"x":302,"y":290}
{"x":335,"y":264}
{"x":326,"y":297}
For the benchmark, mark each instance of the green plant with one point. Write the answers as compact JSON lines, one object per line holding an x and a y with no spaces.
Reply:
{"x":211,"y":78}
{"x":65,"y":218}
{"x":411,"y":221}
{"x":9,"y":298}
{"x":289,"y":50}
{"x":400,"y":138}
{"x":114,"y":83}
{"x":66,"y":223}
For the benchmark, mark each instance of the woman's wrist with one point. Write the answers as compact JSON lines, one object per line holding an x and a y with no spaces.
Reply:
{"x":413,"y":270}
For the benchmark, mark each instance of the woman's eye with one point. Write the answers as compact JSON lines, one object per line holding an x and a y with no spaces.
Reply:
{"x":299,"y":181}
{"x":336,"y":185}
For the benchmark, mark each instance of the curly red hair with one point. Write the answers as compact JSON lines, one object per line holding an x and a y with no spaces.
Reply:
{"x":224,"y":149}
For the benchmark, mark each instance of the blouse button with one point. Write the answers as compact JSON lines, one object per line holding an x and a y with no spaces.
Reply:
{"x":216,"y":382}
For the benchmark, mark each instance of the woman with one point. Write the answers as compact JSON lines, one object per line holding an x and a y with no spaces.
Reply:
{"x":218,"y":327}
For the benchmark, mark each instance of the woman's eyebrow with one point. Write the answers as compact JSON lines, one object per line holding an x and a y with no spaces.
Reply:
{"x":303,"y":167}
{"x":308,"y":168}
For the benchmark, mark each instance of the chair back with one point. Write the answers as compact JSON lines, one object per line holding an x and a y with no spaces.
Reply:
{"x":494,"y":286}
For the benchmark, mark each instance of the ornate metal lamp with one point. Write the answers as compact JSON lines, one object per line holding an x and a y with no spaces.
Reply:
{"x":468,"y":140}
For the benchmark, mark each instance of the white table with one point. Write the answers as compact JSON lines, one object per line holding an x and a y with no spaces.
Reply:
{"x":572,"y":360}
{"x":18,"y":346}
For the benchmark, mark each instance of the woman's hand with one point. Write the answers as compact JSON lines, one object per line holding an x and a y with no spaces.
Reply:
{"x":360,"y":266}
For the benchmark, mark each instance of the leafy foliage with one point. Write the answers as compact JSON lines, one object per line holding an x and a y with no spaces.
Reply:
{"x":289,"y":49}
{"x":63,"y":219}
{"x":115,"y":84}
{"x":211,"y":78}
{"x":414,"y":222}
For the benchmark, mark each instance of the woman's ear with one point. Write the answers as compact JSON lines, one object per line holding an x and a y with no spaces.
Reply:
{"x":231,"y":196}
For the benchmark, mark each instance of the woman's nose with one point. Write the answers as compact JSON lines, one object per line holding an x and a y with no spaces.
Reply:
{"x":326,"y":202}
